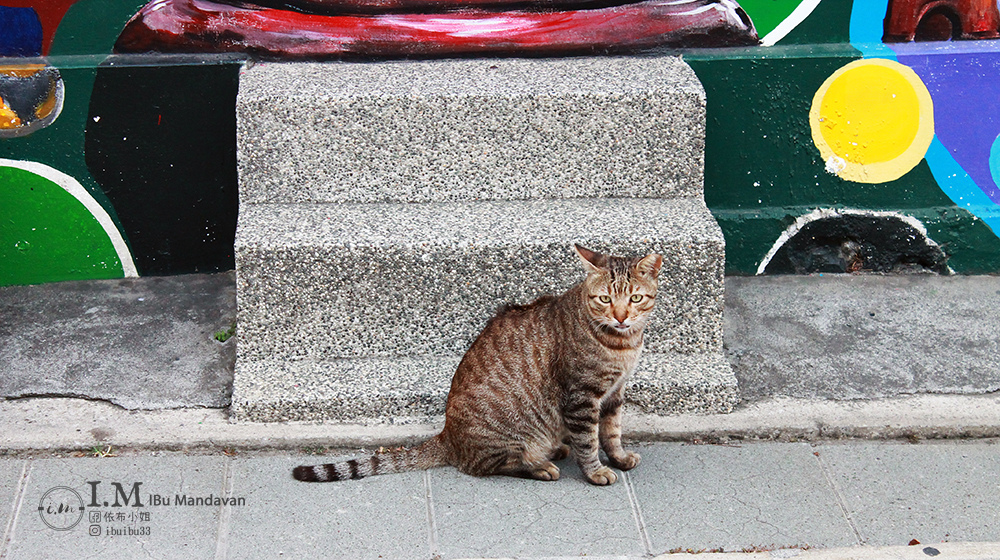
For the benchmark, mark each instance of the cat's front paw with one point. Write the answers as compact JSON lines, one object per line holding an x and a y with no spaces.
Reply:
{"x":626,"y":461}
{"x":602,"y":477}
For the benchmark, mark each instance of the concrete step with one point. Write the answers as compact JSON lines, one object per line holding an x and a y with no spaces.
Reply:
{"x":327,"y":281}
{"x":386,"y":297}
{"x":448,"y":130}
{"x":388,"y":209}
{"x":404,"y":390}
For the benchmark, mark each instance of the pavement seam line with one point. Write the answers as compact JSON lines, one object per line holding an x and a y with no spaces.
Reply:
{"x":225,"y":512}
{"x":8,"y":533}
{"x":640,"y":522}
{"x":431,"y":525}
{"x":839,"y":496}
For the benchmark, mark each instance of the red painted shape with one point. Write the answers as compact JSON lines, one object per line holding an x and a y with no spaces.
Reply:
{"x":965,"y":19}
{"x":50,"y":13}
{"x":371,"y":7}
{"x":206,"y":26}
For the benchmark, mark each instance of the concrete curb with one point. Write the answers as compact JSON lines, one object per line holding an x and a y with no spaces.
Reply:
{"x":785,"y":419}
{"x":940,"y":551}
{"x":52,"y":425}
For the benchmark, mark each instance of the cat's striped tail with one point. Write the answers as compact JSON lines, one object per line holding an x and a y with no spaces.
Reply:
{"x":431,"y":453}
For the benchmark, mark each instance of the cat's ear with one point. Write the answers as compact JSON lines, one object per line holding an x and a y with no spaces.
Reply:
{"x":592,"y":261}
{"x":649,"y":265}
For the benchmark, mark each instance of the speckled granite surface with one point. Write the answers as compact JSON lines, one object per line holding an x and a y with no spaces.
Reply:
{"x":347,"y":281}
{"x":470,"y":130}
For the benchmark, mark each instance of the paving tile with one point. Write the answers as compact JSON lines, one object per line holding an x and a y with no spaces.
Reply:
{"x":10,"y":474}
{"x":503,"y":516}
{"x":128,"y":531}
{"x":931,"y":492}
{"x":377,"y":517}
{"x":706,"y":496}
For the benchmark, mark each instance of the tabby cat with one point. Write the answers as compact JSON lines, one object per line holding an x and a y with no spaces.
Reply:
{"x":542,"y":380}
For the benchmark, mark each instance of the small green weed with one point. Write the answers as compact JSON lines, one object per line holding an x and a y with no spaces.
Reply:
{"x":225,"y":335}
{"x":98,"y":451}
{"x":314,"y":450}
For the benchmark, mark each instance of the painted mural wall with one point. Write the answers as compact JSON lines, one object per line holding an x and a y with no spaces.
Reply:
{"x":852,"y":136}
{"x":135,"y":171}
{"x":848,"y":145}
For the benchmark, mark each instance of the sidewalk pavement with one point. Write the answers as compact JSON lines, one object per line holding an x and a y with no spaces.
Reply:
{"x":129,"y":368}
{"x":777,"y":499}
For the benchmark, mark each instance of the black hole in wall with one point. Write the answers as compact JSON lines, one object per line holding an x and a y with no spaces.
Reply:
{"x":938,"y":25}
{"x":161,"y":142}
{"x":853,"y":243}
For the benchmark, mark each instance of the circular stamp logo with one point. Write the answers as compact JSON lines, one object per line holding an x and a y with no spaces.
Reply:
{"x":61,"y":508}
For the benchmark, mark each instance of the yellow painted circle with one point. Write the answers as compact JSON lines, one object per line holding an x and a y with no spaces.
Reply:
{"x":872,"y":121}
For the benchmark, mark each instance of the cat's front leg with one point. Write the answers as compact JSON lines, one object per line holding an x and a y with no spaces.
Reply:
{"x":582,"y":416}
{"x":611,"y":434}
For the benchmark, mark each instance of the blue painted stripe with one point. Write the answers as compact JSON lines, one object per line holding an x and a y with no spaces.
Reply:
{"x":959,"y":187}
{"x":866,"y":28}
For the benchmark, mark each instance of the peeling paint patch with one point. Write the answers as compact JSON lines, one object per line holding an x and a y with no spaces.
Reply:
{"x":834,"y":165}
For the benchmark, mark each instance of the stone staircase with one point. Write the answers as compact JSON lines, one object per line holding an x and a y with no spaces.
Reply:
{"x":387,"y":209}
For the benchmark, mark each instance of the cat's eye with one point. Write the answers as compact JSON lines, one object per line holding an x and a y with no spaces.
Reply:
{"x":636,"y":298}
{"x":604,"y":299}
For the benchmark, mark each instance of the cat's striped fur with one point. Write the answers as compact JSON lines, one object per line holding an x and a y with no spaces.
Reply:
{"x":542,"y":380}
